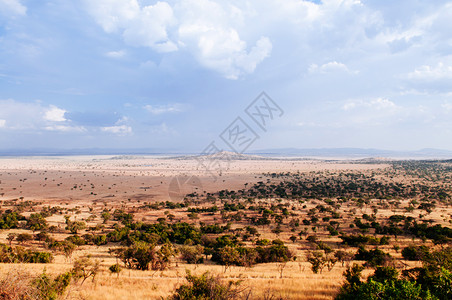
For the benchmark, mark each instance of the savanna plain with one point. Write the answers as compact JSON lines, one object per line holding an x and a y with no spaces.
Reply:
{"x":150,"y":227}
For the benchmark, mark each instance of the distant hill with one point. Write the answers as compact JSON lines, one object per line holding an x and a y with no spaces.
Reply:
{"x":320,"y":153}
{"x":226,"y":155}
{"x":355,"y":153}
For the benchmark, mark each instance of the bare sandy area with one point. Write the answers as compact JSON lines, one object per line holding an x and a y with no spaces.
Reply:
{"x":150,"y":178}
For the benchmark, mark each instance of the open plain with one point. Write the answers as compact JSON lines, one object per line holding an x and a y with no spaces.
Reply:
{"x":257,"y":221}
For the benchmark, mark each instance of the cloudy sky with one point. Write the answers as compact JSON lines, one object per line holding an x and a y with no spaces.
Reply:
{"x":174,"y":74}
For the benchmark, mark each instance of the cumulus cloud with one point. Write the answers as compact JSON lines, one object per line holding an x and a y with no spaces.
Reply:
{"x":374,"y":104}
{"x":55,"y":114}
{"x":116,"y":54}
{"x":118,"y":129}
{"x":139,"y":26}
{"x":440,"y":71}
{"x":162,"y":109}
{"x":204,"y":28}
{"x":65,"y":128}
{"x":22,"y":115}
{"x":330,"y":67}
{"x":35,"y":116}
{"x":12,"y":8}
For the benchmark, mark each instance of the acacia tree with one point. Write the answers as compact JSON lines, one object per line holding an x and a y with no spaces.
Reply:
{"x":142,"y":255}
{"x":85,"y":268}
{"x":36,"y":222}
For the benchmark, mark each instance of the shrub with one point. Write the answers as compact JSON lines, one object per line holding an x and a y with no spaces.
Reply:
{"x":192,"y":254}
{"x":205,"y":287}
{"x":382,"y":285}
{"x":51,"y":289}
{"x":415,"y":253}
{"x":142,"y":255}
{"x":387,"y":290}
{"x":21,"y":255}
{"x":19,"y":285}
{"x":85,"y":268}
{"x":36,"y":222}
{"x":373,"y":258}
{"x":116,"y":269}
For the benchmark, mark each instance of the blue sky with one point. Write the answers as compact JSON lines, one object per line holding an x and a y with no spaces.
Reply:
{"x":174,"y":74}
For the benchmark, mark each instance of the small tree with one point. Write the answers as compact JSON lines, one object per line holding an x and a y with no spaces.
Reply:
{"x":192,"y":254}
{"x":85,"y":268}
{"x":106,"y":216}
{"x":75,"y":227}
{"x":36,"y":222}
{"x":317,"y":261}
{"x":115,"y":269}
{"x":24,"y":237}
{"x":10,"y":238}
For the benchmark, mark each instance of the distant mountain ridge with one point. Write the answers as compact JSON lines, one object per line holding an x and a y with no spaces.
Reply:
{"x":355,"y":153}
{"x":351,"y":153}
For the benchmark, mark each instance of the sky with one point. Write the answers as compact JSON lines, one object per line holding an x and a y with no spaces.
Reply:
{"x":175,"y":75}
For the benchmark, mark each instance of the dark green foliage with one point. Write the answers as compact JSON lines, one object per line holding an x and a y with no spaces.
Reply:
{"x":192,"y":254}
{"x":21,"y":255}
{"x":36,"y":222}
{"x":373,"y":258}
{"x":159,"y":233}
{"x":436,"y":273}
{"x":387,"y":290}
{"x":385,"y":273}
{"x":226,"y":251}
{"x":415,"y":253}
{"x":382,"y":285}
{"x":10,"y":219}
{"x":142,"y":256}
{"x":76,"y":240}
{"x":432,"y":281}
{"x":115,"y":269}
{"x":357,"y":240}
{"x":437,"y":233}
{"x":76,"y":226}
{"x":65,"y":247}
{"x":123,"y":217}
{"x":52,"y":289}
{"x":206,"y":287}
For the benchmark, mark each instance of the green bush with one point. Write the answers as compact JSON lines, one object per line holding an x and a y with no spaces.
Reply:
{"x":206,"y":287}
{"x":21,"y":255}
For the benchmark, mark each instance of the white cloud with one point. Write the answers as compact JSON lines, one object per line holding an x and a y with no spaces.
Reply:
{"x":116,"y":54}
{"x":118,"y":129}
{"x":65,"y":128}
{"x":205,"y":28}
{"x":22,"y":115}
{"x":2,"y":123}
{"x":447,"y":106}
{"x":440,"y":71}
{"x":330,"y":67}
{"x":55,"y":114}
{"x":140,"y":26}
{"x":162,"y":109}
{"x":12,"y":7}
{"x":34,"y":116}
{"x":374,"y":104}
